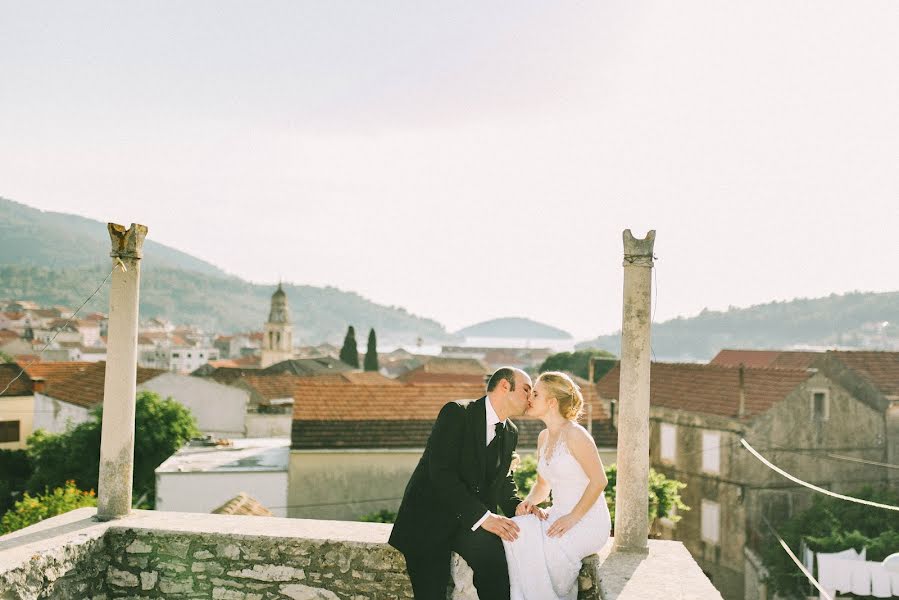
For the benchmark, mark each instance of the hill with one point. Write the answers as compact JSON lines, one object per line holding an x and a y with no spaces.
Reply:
{"x":514,"y":327}
{"x":862,"y":320}
{"x":54,"y":258}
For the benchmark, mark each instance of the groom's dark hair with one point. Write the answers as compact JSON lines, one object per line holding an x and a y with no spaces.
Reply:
{"x":507,"y":373}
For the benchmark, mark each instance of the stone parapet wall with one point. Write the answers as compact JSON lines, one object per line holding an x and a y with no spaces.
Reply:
{"x":154,"y":555}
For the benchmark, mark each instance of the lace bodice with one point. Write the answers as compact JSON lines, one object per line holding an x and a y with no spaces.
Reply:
{"x":564,"y":474}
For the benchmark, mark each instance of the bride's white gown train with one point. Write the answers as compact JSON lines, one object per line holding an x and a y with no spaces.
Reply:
{"x":543,"y":567}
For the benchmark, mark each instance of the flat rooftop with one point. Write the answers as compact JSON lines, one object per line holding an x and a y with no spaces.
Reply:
{"x":250,"y":454}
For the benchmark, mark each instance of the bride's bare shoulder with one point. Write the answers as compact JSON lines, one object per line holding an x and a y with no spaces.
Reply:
{"x":578,"y":434}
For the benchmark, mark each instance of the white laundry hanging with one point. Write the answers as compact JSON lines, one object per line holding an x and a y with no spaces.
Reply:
{"x":834,"y":570}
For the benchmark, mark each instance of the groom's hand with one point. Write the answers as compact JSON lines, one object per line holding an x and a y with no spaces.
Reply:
{"x":503,"y":527}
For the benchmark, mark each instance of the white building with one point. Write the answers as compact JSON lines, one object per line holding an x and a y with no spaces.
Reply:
{"x":179,"y":359}
{"x":202,"y":478}
{"x":220,"y":410}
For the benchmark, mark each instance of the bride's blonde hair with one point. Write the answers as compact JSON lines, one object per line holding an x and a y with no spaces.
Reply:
{"x":566,"y":392}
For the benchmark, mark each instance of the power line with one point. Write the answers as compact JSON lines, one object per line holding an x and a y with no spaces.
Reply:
{"x":777,"y":469}
{"x":799,"y":564}
{"x":341,"y":503}
{"x":64,"y":325}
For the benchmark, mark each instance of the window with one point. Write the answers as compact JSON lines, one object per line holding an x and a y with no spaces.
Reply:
{"x":176,"y":355}
{"x":711,"y":452}
{"x":667,"y":442}
{"x":711,"y":521}
{"x":820,"y":405}
{"x":9,"y":431}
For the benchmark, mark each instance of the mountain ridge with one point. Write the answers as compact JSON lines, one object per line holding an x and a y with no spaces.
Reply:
{"x":856,"y":320}
{"x":58,"y":258}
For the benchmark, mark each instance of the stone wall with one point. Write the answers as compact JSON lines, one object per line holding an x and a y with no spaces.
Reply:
{"x":150,"y":564}
{"x":154,"y":555}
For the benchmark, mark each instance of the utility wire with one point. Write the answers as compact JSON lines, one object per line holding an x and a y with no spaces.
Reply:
{"x":777,"y":469}
{"x":796,"y":560}
{"x":64,"y":325}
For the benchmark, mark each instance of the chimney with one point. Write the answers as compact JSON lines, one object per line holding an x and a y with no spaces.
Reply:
{"x":591,"y":366}
{"x":741,"y":410}
{"x":38,"y":385}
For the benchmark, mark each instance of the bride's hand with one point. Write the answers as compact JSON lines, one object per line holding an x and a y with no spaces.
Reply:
{"x":562,"y":525}
{"x":539,"y":512}
{"x":523,"y":508}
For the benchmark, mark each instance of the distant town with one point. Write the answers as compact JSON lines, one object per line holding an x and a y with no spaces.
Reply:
{"x":330,"y":432}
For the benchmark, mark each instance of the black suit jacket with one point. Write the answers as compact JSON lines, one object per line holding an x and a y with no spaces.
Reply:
{"x":448,"y":490}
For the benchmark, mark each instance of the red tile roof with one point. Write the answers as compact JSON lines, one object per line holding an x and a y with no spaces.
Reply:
{"x":758,"y":359}
{"x":7,"y":335}
{"x":328,"y":413}
{"x":54,"y":372}
{"x":19,"y":385}
{"x":879,"y":368}
{"x":711,"y":389}
{"x":420,"y":376}
{"x":243,"y":504}
{"x":271,"y":387}
{"x":85,"y":387}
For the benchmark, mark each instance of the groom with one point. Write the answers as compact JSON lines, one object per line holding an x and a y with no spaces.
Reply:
{"x":451,"y":499}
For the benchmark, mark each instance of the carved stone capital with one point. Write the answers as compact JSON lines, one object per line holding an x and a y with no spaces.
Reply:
{"x":638,"y":252}
{"x":127,"y":243}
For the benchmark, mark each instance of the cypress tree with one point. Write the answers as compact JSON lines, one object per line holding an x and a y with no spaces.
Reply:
{"x":349,"y":353}
{"x":371,"y":355}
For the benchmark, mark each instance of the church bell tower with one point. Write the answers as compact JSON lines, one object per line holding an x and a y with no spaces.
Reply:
{"x":277,"y":343}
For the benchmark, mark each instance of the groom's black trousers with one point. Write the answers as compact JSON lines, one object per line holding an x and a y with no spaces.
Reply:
{"x":482,"y":550}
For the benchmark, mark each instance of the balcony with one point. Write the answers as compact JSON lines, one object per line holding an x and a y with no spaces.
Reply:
{"x":153,"y":554}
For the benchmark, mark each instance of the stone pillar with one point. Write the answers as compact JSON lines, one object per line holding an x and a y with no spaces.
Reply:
{"x":117,"y":441}
{"x":632,"y":494}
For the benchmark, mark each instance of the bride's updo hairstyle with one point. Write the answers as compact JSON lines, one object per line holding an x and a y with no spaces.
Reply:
{"x":566,"y":392}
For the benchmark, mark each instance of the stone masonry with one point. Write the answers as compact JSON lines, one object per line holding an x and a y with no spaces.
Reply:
{"x":211,"y":557}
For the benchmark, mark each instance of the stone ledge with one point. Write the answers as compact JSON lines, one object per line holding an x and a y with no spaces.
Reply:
{"x":666,"y":571}
{"x":154,"y":554}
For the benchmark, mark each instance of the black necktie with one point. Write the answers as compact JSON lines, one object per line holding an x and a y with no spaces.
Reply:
{"x":493,"y":449}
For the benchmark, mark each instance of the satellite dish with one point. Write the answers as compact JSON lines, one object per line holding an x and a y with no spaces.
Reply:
{"x":891,"y":562}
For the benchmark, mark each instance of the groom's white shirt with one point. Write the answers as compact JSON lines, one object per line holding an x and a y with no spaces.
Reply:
{"x":492,"y":420}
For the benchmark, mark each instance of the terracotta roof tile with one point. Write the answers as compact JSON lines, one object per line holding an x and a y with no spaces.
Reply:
{"x":7,"y":335}
{"x":711,"y":389}
{"x":420,"y":375}
{"x":880,"y":368}
{"x":55,"y":371}
{"x":271,"y":387}
{"x":331,"y":414}
{"x":85,"y":387}
{"x":759,"y":359}
{"x":243,"y":504}
{"x":18,"y":385}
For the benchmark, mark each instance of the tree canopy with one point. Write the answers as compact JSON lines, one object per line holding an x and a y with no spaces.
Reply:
{"x":578,"y":363}
{"x":349,"y":353}
{"x":832,"y":525}
{"x":161,"y":428}
{"x":371,"y":354}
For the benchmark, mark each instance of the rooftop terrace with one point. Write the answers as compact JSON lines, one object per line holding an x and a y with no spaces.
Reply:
{"x":153,"y":554}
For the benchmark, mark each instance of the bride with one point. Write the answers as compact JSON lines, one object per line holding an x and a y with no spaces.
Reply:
{"x":545,"y":560}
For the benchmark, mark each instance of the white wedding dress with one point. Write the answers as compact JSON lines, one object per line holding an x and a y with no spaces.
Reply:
{"x":543,"y":567}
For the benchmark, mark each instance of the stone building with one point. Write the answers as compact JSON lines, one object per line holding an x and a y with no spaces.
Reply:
{"x":277,"y":342}
{"x":797,"y":418}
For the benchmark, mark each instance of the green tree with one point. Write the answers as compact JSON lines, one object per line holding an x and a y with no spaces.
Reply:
{"x":16,"y":469}
{"x":831,"y":525}
{"x":349,"y":353}
{"x":382,"y":516}
{"x":371,"y":355}
{"x":161,"y":428}
{"x":664,"y":493}
{"x":32,"y":509}
{"x":6,"y":358}
{"x":578,"y":363}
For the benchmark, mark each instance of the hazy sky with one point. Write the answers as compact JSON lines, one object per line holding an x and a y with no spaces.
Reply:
{"x":470,"y":160}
